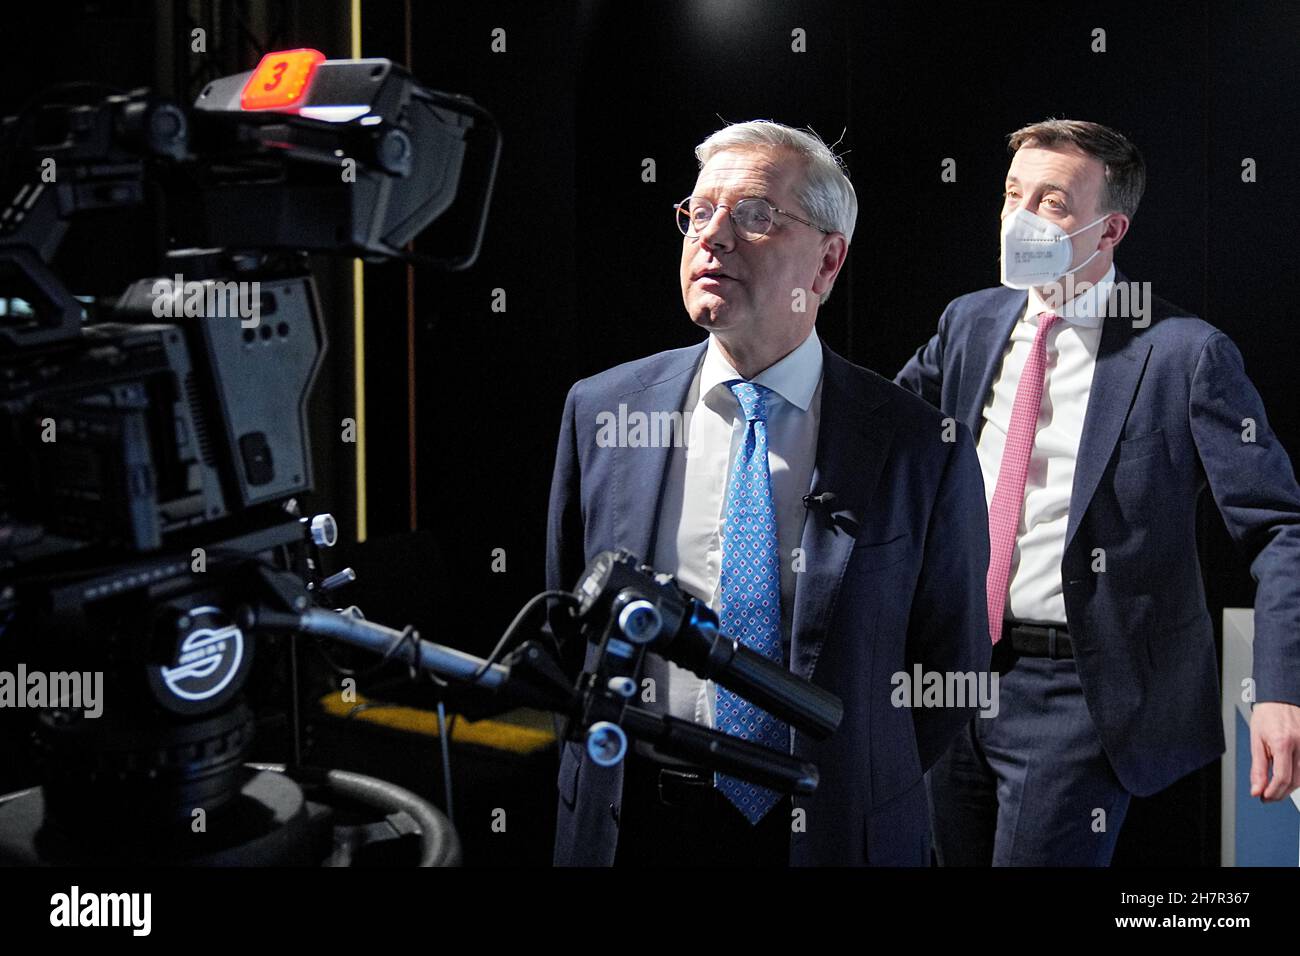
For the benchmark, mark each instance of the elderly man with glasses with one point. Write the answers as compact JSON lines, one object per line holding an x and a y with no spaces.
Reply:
{"x":834,"y":522}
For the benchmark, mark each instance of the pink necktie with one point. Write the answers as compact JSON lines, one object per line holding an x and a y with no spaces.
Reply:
{"x":1009,"y":497}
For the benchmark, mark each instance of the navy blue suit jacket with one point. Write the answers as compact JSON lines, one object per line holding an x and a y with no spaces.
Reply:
{"x":1166,"y":417}
{"x":894,"y":576}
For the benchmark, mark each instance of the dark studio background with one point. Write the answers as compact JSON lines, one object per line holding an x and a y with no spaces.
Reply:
{"x":463,"y":403}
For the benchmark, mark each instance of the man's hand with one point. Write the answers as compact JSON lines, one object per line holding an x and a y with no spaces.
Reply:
{"x":1274,"y":736}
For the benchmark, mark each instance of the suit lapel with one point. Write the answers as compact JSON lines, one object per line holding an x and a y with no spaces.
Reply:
{"x":1121,"y":359}
{"x":639,"y":473}
{"x":852,"y":446}
{"x":984,"y":354}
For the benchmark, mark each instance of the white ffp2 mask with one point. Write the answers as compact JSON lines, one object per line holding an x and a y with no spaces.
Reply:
{"x":1036,"y":251}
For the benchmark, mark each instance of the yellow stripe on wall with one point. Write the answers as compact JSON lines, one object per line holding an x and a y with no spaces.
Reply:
{"x":497,"y":734}
{"x":359,"y":387}
{"x":359,"y":336}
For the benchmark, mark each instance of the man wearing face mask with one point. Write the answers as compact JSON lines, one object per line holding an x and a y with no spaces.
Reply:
{"x":1097,"y":429}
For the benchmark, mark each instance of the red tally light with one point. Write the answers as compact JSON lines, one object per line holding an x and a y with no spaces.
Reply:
{"x":280,"y":80}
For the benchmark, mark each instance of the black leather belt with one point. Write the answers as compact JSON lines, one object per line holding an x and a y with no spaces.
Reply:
{"x":1037,"y":639}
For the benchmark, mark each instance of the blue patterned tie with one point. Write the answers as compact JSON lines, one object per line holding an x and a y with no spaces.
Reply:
{"x":751,"y":593}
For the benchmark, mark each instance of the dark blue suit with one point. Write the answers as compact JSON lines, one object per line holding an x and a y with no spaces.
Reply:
{"x":1165,"y":419}
{"x":894,"y":576}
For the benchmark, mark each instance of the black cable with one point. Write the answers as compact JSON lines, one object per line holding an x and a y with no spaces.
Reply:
{"x":514,"y":626}
{"x":443,"y":736}
{"x":368,"y":705}
{"x":447,"y":728}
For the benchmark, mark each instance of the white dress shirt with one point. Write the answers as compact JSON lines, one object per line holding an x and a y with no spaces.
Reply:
{"x":1035,"y":583}
{"x":689,"y":537}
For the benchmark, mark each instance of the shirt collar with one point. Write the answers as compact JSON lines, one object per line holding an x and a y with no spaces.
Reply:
{"x":794,"y":377}
{"x":1083,"y":308}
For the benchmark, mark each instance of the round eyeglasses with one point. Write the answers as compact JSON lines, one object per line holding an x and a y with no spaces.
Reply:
{"x":752,"y":218}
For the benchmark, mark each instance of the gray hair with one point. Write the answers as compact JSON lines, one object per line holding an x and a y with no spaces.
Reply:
{"x":824,"y":192}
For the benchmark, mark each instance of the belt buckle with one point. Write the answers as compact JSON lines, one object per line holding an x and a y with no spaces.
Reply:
{"x":677,"y":780}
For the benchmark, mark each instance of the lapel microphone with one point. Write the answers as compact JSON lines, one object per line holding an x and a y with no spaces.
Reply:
{"x":821,"y":502}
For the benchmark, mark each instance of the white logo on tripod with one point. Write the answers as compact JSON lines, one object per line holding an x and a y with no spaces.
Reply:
{"x":205,"y":651}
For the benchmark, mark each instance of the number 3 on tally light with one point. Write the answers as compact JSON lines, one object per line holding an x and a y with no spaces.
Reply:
{"x":280,"y":80}
{"x":279,"y":75}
